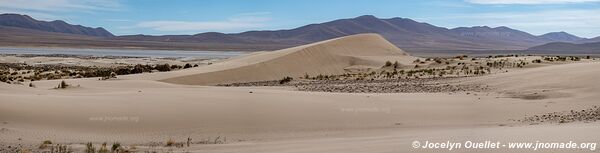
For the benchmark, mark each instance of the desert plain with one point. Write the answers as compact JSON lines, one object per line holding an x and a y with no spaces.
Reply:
{"x":356,"y":93}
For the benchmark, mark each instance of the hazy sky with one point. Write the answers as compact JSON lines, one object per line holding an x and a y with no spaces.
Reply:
{"x":579,"y":17}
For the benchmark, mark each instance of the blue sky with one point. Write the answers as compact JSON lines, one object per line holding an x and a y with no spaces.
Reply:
{"x":157,"y":17}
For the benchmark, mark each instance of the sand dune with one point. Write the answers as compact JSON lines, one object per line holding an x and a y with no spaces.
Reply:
{"x":335,"y":56}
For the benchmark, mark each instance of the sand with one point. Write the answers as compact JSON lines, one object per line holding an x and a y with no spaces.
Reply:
{"x":160,"y":106}
{"x":335,"y":56}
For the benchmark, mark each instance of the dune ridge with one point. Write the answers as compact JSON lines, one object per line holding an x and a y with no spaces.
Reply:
{"x":335,"y":56}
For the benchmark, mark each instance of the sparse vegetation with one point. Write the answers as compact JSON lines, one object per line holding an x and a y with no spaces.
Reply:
{"x":285,"y":80}
{"x":187,"y":65}
{"x":45,"y":144}
{"x":115,"y":147}
{"x":103,"y":148}
{"x":387,"y":64}
{"x":19,"y":72}
{"x":163,"y":67}
{"x":170,"y":143}
{"x":89,"y":148}
{"x":62,"y":85}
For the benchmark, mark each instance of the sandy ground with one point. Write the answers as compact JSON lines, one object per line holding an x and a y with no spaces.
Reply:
{"x":137,"y":112}
{"x":280,"y":120}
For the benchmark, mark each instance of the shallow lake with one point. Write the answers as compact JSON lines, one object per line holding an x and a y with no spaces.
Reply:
{"x":121,"y":52}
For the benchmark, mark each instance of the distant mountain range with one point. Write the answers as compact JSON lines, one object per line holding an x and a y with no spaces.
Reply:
{"x":405,"y":33}
{"x":567,"y":48}
{"x":24,"y":21}
{"x":561,"y":37}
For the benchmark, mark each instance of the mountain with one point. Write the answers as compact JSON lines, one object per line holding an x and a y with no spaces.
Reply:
{"x":561,"y":37}
{"x":21,"y":37}
{"x":58,"y":26}
{"x":498,"y":38}
{"x":590,"y":40}
{"x":405,"y":33}
{"x":570,"y":48}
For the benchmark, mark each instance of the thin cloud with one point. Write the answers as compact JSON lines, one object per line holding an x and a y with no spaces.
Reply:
{"x":236,"y":23}
{"x":497,"y":2}
{"x":196,"y":26}
{"x":61,"y":5}
{"x":36,"y":15}
{"x":117,"y":20}
{"x":581,"y":22}
{"x":57,"y":9}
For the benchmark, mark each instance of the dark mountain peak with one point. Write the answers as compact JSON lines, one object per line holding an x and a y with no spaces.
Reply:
{"x":210,"y":33}
{"x":481,"y":27}
{"x":12,"y":15}
{"x":58,"y":26}
{"x":560,"y":37}
{"x":405,"y":20}
{"x":503,"y":28}
{"x":59,"y":22}
{"x":560,"y":33}
{"x":366,"y":17}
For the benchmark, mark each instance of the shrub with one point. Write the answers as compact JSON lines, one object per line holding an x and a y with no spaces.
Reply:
{"x":103,"y":148}
{"x":115,"y":147}
{"x":387,"y":64}
{"x":63,"y":85}
{"x":285,"y":80}
{"x":89,"y":148}
{"x":187,"y":65}
{"x":163,"y":67}
{"x":45,"y":144}
{"x":438,"y":60}
{"x":170,"y":142}
{"x":141,"y":68}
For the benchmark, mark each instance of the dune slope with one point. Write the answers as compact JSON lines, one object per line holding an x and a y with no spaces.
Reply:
{"x":335,"y":56}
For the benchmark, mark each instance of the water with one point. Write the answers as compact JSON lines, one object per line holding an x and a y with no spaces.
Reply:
{"x":121,"y":52}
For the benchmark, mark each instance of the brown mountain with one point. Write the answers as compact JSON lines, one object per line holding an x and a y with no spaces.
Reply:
{"x":590,"y":40}
{"x":567,"y":48}
{"x":58,"y":26}
{"x":405,"y":33}
{"x":561,"y":37}
{"x":14,"y":37}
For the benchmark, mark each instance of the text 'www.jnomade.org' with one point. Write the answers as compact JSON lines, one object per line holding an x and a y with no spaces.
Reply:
{"x":537,"y":145}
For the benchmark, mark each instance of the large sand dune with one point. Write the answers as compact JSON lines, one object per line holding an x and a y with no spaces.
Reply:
{"x":335,"y":56}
